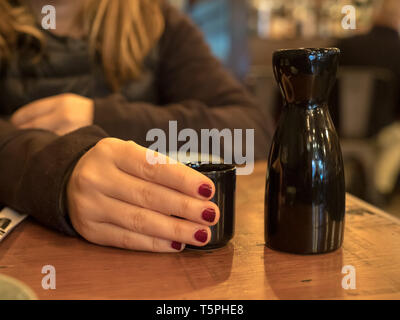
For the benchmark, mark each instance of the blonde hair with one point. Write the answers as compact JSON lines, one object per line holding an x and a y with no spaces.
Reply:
{"x":119,"y":32}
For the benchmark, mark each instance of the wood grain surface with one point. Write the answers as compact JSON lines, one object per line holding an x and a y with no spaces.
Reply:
{"x":245,"y":269}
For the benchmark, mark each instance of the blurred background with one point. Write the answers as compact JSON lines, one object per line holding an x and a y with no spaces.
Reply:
{"x":365,"y":104}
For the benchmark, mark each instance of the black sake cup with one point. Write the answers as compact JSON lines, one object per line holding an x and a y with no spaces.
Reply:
{"x":224,"y":178}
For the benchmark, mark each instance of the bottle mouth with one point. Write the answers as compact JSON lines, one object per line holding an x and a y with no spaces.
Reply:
{"x":210,"y":167}
{"x":330,"y":50}
{"x":310,"y":53}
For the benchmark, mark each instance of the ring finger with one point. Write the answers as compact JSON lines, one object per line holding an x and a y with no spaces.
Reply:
{"x":154,"y":224}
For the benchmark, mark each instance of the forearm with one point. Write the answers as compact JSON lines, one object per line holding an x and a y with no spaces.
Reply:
{"x":34,"y":169}
{"x":132,"y":121}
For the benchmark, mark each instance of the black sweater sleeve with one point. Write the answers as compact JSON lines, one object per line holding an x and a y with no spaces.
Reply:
{"x":34,"y":168}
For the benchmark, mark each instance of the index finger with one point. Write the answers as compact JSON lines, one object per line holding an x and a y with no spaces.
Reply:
{"x":134,"y":160}
{"x":33,"y":110}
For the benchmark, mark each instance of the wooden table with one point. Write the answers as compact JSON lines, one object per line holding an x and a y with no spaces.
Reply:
{"x":245,"y":269}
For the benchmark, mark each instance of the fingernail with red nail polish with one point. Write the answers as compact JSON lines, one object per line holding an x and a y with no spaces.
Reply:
{"x":176,"y":245}
{"x":205,"y":190}
{"x":201,"y":236}
{"x":208,"y":215}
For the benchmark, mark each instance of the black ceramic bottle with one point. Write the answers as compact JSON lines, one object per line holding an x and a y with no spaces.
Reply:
{"x":305,"y":191}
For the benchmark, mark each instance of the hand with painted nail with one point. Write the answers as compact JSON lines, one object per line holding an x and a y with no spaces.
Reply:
{"x":116,"y":197}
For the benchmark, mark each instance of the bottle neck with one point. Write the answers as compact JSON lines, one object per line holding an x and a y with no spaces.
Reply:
{"x":306,"y":76}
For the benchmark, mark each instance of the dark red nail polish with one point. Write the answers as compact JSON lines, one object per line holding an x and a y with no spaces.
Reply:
{"x":208,"y":215}
{"x":176,"y":245}
{"x":201,"y":236}
{"x":205,"y":190}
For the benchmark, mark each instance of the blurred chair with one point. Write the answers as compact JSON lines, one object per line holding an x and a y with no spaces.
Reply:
{"x":363,"y":103}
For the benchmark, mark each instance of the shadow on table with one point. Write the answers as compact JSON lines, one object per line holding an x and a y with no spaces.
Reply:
{"x":291,"y":276}
{"x":203,"y":269}
{"x":138,"y":275}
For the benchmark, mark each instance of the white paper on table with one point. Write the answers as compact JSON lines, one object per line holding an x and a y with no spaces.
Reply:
{"x":9,"y":219}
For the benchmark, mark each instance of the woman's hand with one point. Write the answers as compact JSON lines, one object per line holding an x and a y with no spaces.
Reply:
{"x":117,"y":198}
{"x":60,"y":114}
